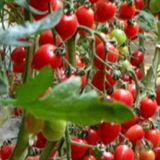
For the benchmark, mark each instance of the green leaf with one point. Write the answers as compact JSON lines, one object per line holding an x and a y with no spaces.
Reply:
{"x":32,"y":89}
{"x":4,"y":114}
{"x":11,"y":35}
{"x":1,"y":4}
{"x":144,"y":26}
{"x":64,"y":103}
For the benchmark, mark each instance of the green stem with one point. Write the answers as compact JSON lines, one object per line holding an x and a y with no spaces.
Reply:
{"x":68,"y":144}
{"x":49,"y":147}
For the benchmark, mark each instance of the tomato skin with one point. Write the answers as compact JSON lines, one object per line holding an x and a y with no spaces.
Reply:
{"x":45,"y":55}
{"x":77,"y":152}
{"x":93,"y":1}
{"x":18,"y":111}
{"x":146,"y":155}
{"x":135,"y":133}
{"x":92,"y":136}
{"x":105,"y":132}
{"x":18,"y":67}
{"x":104,"y":11}
{"x":132,"y":89}
{"x":18,"y":54}
{"x":90,"y":157}
{"x":132,"y":30}
{"x":123,"y":152}
{"x":98,"y":40}
{"x":158,"y":94}
{"x":106,"y":156}
{"x":47,"y":38}
{"x":97,"y":80}
{"x":6,"y":151}
{"x":157,"y":153}
{"x":41,"y":141}
{"x":67,"y":26}
{"x":126,"y":11}
{"x":79,"y":62}
{"x":139,"y":4}
{"x":153,"y":135}
{"x":148,"y":107}
{"x":139,"y":73}
{"x":100,"y":51}
{"x":32,"y":157}
{"x":137,"y":58}
{"x":85,"y":17}
{"x":124,"y":96}
{"x":126,"y":77}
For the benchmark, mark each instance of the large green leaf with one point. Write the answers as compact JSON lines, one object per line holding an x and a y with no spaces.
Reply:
{"x":11,"y":35}
{"x":32,"y":89}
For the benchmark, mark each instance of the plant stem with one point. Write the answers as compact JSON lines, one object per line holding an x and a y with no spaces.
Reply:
{"x":68,"y":143}
{"x":49,"y":147}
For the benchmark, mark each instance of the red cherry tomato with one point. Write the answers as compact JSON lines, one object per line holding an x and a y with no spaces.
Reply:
{"x":146,"y":155}
{"x":158,"y":94}
{"x":67,"y":26}
{"x":45,"y":55}
{"x":105,"y":11}
{"x":56,"y":5}
{"x":126,"y":11}
{"x":148,"y":107}
{"x":6,"y":151}
{"x":18,"y":67}
{"x":77,"y":152}
{"x":139,"y":4}
{"x":97,"y":80}
{"x":92,"y":136}
{"x":47,"y":38}
{"x":79,"y":62}
{"x":137,"y":58}
{"x":93,"y":1}
{"x":32,"y":157}
{"x":106,"y":156}
{"x":123,"y":23}
{"x":157,"y":153}
{"x":139,"y":73}
{"x":123,"y":96}
{"x":126,"y":77}
{"x":90,"y":157}
{"x":123,"y":152}
{"x":135,"y":133}
{"x":41,"y":141}
{"x":18,"y":54}
{"x":153,"y":136}
{"x":18,"y":111}
{"x":98,"y":40}
{"x":109,"y":132}
{"x":132,"y":89}
{"x":100,"y":51}
{"x":85,"y":17}
{"x":132,"y":30}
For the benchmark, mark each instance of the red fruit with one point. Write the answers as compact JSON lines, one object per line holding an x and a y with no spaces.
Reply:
{"x":100,"y":51}
{"x":153,"y":136}
{"x":135,"y":133}
{"x":123,"y":152}
{"x":44,"y":56}
{"x":85,"y":17}
{"x":18,"y":54}
{"x":90,"y":157}
{"x":77,"y":152}
{"x":41,"y":141}
{"x":126,"y":11}
{"x":79,"y":62}
{"x":106,"y":156}
{"x":18,"y":67}
{"x":146,"y":155}
{"x":92,"y":136}
{"x":98,"y":40}
{"x":132,"y":30}
{"x":6,"y":151}
{"x":67,"y":26}
{"x":126,"y":77}
{"x":18,"y":111}
{"x":132,"y":89}
{"x":139,"y":73}
{"x":109,"y":132}
{"x":47,"y":38}
{"x":105,"y":11}
{"x":157,"y":153}
{"x":137,"y":58}
{"x":148,"y":107}
{"x":124,"y":96}
{"x":32,"y":157}
{"x":93,"y":1}
{"x":158,"y":95}
{"x":139,"y":4}
{"x":123,"y":23}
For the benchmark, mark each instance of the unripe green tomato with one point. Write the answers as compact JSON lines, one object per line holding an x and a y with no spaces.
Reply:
{"x":119,"y":35}
{"x":124,"y":51}
{"x":53,"y":131}
{"x":158,"y":3}
{"x":125,"y":66}
{"x":153,"y":6}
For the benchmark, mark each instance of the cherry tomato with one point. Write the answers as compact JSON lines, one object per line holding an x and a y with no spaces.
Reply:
{"x":135,"y":133}
{"x":85,"y":17}
{"x":56,"y":5}
{"x":41,"y":141}
{"x":123,"y":152}
{"x":106,"y":156}
{"x":6,"y":151}
{"x":126,"y":11}
{"x":109,"y":132}
{"x":126,"y":77}
{"x":123,"y":23}
{"x":18,"y":54}
{"x":79,"y":62}
{"x":77,"y":152}
{"x":90,"y":157}
{"x":123,"y":95}
{"x":153,"y":6}
{"x":18,"y":67}
{"x":158,"y":94}
{"x":98,"y":40}
{"x":139,"y":4}
{"x":153,"y":136}
{"x":18,"y":111}
{"x":146,"y":155}
{"x":137,"y":58}
{"x":100,"y":51}
{"x":93,"y":1}
{"x":139,"y":73}
{"x":148,"y":107}
{"x":132,"y":30}
{"x":92,"y":136}
{"x":105,"y":11}
{"x":47,"y":38}
{"x":97,"y":80}
{"x":45,"y":55}
{"x":32,"y":157}
{"x":132,"y":89}
{"x":157,"y":153}
{"x":67,"y":26}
